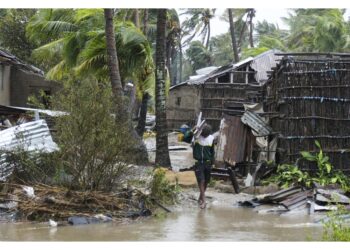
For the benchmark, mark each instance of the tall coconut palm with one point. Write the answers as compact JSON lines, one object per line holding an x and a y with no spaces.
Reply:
{"x":198,"y":56}
{"x":198,"y":23}
{"x":112,"y":56}
{"x":317,"y":30}
{"x":251,"y":15}
{"x":173,"y":32}
{"x":79,"y":41}
{"x":162,"y":151}
{"x":233,"y":35}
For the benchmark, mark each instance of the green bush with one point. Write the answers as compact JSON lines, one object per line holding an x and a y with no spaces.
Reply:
{"x":31,"y":167}
{"x":336,"y":228}
{"x":161,"y":190}
{"x":95,"y":146}
{"x":289,"y":174}
{"x":325,"y":171}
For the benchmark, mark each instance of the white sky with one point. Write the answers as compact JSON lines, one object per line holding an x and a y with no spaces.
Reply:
{"x":271,"y":15}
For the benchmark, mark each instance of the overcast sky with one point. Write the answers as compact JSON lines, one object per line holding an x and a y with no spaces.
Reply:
{"x":271,"y":15}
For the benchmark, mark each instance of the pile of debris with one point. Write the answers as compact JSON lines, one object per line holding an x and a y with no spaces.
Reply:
{"x":43,"y":203}
{"x":317,"y":199}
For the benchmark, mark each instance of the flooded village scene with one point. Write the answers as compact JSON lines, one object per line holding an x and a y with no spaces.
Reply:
{"x":178,"y":124}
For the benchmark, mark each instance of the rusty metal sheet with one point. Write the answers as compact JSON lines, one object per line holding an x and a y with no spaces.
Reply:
{"x":297,"y":200}
{"x":254,"y":121}
{"x":281,"y":195}
{"x":232,"y":140}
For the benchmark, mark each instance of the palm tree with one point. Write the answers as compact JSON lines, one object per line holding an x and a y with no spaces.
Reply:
{"x":173,"y":32}
{"x":198,"y":56}
{"x":251,"y":15}
{"x":198,"y":24}
{"x":233,"y":36}
{"x":78,"y":41}
{"x":317,"y":30}
{"x":112,"y":57}
{"x":162,"y":151}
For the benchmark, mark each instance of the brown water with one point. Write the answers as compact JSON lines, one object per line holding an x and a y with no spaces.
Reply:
{"x":186,"y":224}
{"x":221,"y":221}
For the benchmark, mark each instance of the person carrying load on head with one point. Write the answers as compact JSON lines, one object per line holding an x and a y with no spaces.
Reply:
{"x":203,"y":153}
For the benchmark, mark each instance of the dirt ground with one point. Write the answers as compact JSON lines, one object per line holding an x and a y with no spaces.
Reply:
{"x":220,"y":194}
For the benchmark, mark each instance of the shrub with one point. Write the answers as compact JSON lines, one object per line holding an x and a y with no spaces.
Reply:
{"x":94,"y":145}
{"x":336,"y":229}
{"x":161,"y":190}
{"x":289,"y":174}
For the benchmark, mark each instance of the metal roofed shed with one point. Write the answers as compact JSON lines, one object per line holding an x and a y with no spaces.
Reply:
{"x":222,"y":91}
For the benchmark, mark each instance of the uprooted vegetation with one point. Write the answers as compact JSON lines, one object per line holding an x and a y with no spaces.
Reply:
{"x":91,"y":171}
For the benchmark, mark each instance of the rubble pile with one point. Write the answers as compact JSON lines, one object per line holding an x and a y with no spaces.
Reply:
{"x":41,"y":203}
{"x":313,"y":200}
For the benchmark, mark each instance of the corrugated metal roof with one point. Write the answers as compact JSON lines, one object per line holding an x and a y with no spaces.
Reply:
{"x":261,"y":64}
{"x":31,"y":137}
{"x":43,"y":111}
{"x":256,"y":123}
{"x":13,"y":60}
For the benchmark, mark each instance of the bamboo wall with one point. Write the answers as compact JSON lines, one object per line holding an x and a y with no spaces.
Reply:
{"x":218,"y":99}
{"x":311,"y":93}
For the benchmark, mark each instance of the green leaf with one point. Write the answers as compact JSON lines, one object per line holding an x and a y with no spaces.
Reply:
{"x":328,"y":168}
{"x":320,"y":155}
{"x":306,"y":155}
{"x":334,"y":180}
{"x":325,"y":159}
{"x":317,"y":143}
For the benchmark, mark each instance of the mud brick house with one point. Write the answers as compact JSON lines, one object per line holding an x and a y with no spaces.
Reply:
{"x":19,"y":80}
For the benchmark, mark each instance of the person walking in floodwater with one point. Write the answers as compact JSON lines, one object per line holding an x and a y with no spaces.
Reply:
{"x":203,"y":153}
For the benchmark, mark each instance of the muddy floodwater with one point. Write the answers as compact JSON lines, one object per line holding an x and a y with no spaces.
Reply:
{"x":183,"y":224}
{"x":222,"y":220}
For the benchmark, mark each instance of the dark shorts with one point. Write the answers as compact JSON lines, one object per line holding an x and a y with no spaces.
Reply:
{"x":202,"y":171}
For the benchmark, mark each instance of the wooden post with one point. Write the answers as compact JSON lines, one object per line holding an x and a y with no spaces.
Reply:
{"x":246,"y":75}
{"x":232,"y":178}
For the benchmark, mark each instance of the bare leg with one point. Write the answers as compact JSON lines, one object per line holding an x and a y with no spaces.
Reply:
{"x":202,"y":194}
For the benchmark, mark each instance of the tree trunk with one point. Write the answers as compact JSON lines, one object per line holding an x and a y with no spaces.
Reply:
{"x":168,"y":57}
{"x":180,"y":61}
{"x":208,"y":38}
{"x":251,"y":15}
{"x":162,"y":151}
{"x":145,"y":22}
{"x":112,"y":57}
{"x":137,"y":18}
{"x":233,"y":36}
{"x":173,"y":65}
{"x":140,"y":129}
{"x":137,"y":147}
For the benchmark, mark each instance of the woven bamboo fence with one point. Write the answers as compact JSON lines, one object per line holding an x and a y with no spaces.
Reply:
{"x":311,"y":94}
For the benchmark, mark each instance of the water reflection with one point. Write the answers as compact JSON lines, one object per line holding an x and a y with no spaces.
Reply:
{"x":189,"y":224}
